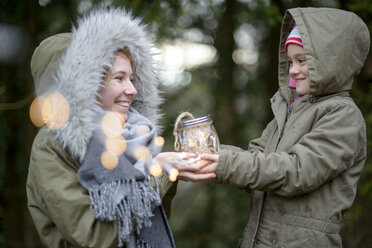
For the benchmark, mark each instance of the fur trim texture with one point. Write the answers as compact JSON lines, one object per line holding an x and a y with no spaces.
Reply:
{"x":94,"y":43}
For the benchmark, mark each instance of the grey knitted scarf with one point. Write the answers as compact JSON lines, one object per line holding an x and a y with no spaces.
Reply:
{"x":124,"y":194}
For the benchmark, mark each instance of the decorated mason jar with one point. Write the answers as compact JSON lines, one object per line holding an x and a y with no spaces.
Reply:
{"x":196,"y":135}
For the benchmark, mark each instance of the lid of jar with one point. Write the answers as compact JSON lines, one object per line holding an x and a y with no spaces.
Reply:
{"x":195,"y":121}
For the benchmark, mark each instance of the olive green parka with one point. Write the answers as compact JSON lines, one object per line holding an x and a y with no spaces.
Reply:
{"x":303,"y":171}
{"x":74,"y":65}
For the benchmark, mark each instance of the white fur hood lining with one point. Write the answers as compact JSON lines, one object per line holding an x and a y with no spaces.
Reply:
{"x":79,"y":75}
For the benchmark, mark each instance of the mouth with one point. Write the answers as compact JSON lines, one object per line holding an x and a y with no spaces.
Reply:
{"x":122,"y":104}
{"x":299,"y":80}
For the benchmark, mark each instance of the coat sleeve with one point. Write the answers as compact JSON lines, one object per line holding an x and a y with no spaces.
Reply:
{"x":330,"y":148}
{"x":258,"y":144}
{"x":168,"y":190}
{"x":66,"y":202}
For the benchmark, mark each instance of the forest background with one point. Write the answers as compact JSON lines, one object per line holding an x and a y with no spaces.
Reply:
{"x":217,"y":57}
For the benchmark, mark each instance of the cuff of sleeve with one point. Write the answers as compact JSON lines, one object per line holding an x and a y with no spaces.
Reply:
{"x":222,"y":161}
{"x":164,"y":183}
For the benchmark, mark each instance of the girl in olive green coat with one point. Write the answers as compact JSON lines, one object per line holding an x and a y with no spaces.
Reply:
{"x":304,"y":168}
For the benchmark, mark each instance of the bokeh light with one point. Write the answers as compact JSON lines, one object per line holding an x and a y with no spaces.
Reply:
{"x":142,"y":153}
{"x":155,"y":170}
{"x":109,"y":160}
{"x":55,"y":110}
{"x":173,"y":174}
{"x":182,"y":155}
{"x":159,"y":141}
{"x":142,"y":130}
{"x":35,"y":111}
{"x":117,"y":145}
{"x":113,"y":124}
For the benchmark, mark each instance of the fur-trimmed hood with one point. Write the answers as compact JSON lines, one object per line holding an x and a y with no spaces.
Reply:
{"x":74,"y":65}
{"x":336,"y":44}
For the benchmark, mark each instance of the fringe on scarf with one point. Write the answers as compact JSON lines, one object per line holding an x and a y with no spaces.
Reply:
{"x":142,"y":244}
{"x":126,"y":201}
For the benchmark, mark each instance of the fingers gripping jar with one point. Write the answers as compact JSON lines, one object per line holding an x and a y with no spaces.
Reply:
{"x":196,"y":135}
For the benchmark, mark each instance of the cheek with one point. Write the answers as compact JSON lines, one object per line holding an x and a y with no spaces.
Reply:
{"x":308,"y":79}
{"x":107,"y":96}
{"x":306,"y":70}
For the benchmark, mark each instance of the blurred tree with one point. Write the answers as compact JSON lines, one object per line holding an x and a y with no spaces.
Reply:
{"x":13,"y":132}
{"x":16,"y":131}
{"x":356,"y":228}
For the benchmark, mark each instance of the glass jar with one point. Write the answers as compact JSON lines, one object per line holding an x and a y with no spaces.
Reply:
{"x":197,"y":135}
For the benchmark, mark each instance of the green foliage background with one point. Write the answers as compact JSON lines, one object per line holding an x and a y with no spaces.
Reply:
{"x":203,"y":215}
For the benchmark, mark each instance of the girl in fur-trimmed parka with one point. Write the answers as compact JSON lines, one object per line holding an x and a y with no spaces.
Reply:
{"x":303,"y":170}
{"x":104,"y":69}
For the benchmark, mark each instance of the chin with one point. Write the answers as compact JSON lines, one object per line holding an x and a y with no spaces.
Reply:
{"x":301,"y":92}
{"x":125,"y":116}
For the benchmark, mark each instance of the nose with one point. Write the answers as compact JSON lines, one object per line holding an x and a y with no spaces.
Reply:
{"x":129,"y":88}
{"x":293,"y":70}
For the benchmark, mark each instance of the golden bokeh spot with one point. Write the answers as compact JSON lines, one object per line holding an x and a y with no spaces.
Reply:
{"x":155,"y":170}
{"x":113,"y":124}
{"x":191,"y":143}
{"x":142,"y":130}
{"x":142,"y":153}
{"x":182,"y":155}
{"x":159,"y":141}
{"x":109,"y":160}
{"x":117,"y":145}
{"x":173,"y":174}
{"x":55,"y":111}
{"x":35,"y":111}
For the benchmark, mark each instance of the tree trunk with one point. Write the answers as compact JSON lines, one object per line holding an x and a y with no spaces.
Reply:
{"x":224,"y":90}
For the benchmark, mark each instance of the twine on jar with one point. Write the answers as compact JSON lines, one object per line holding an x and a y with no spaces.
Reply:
{"x":176,"y":127}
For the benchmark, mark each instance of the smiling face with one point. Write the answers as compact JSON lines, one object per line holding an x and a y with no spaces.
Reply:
{"x":118,"y":93}
{"x":298,"y":69}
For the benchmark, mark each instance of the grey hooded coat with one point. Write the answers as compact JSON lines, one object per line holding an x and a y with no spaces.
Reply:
{"x":74,"y":65}
{"x":304,"y":168}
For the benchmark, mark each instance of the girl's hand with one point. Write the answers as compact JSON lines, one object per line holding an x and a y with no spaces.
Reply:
{"x":212,"y":162}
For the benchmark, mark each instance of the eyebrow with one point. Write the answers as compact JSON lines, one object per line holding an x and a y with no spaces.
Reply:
{"x":121,"y":72}
{"x":297,"y":55}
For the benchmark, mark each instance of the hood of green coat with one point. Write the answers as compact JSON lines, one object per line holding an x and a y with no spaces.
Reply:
{"x":74,"y":65}
{"x":336,"y":44}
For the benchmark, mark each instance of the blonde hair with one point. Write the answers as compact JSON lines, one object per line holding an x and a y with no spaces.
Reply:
{"x":121,"y":52}
{"x":125,"y":51}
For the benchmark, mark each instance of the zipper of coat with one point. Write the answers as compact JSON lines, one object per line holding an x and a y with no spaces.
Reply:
{"x":289,"y":111}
